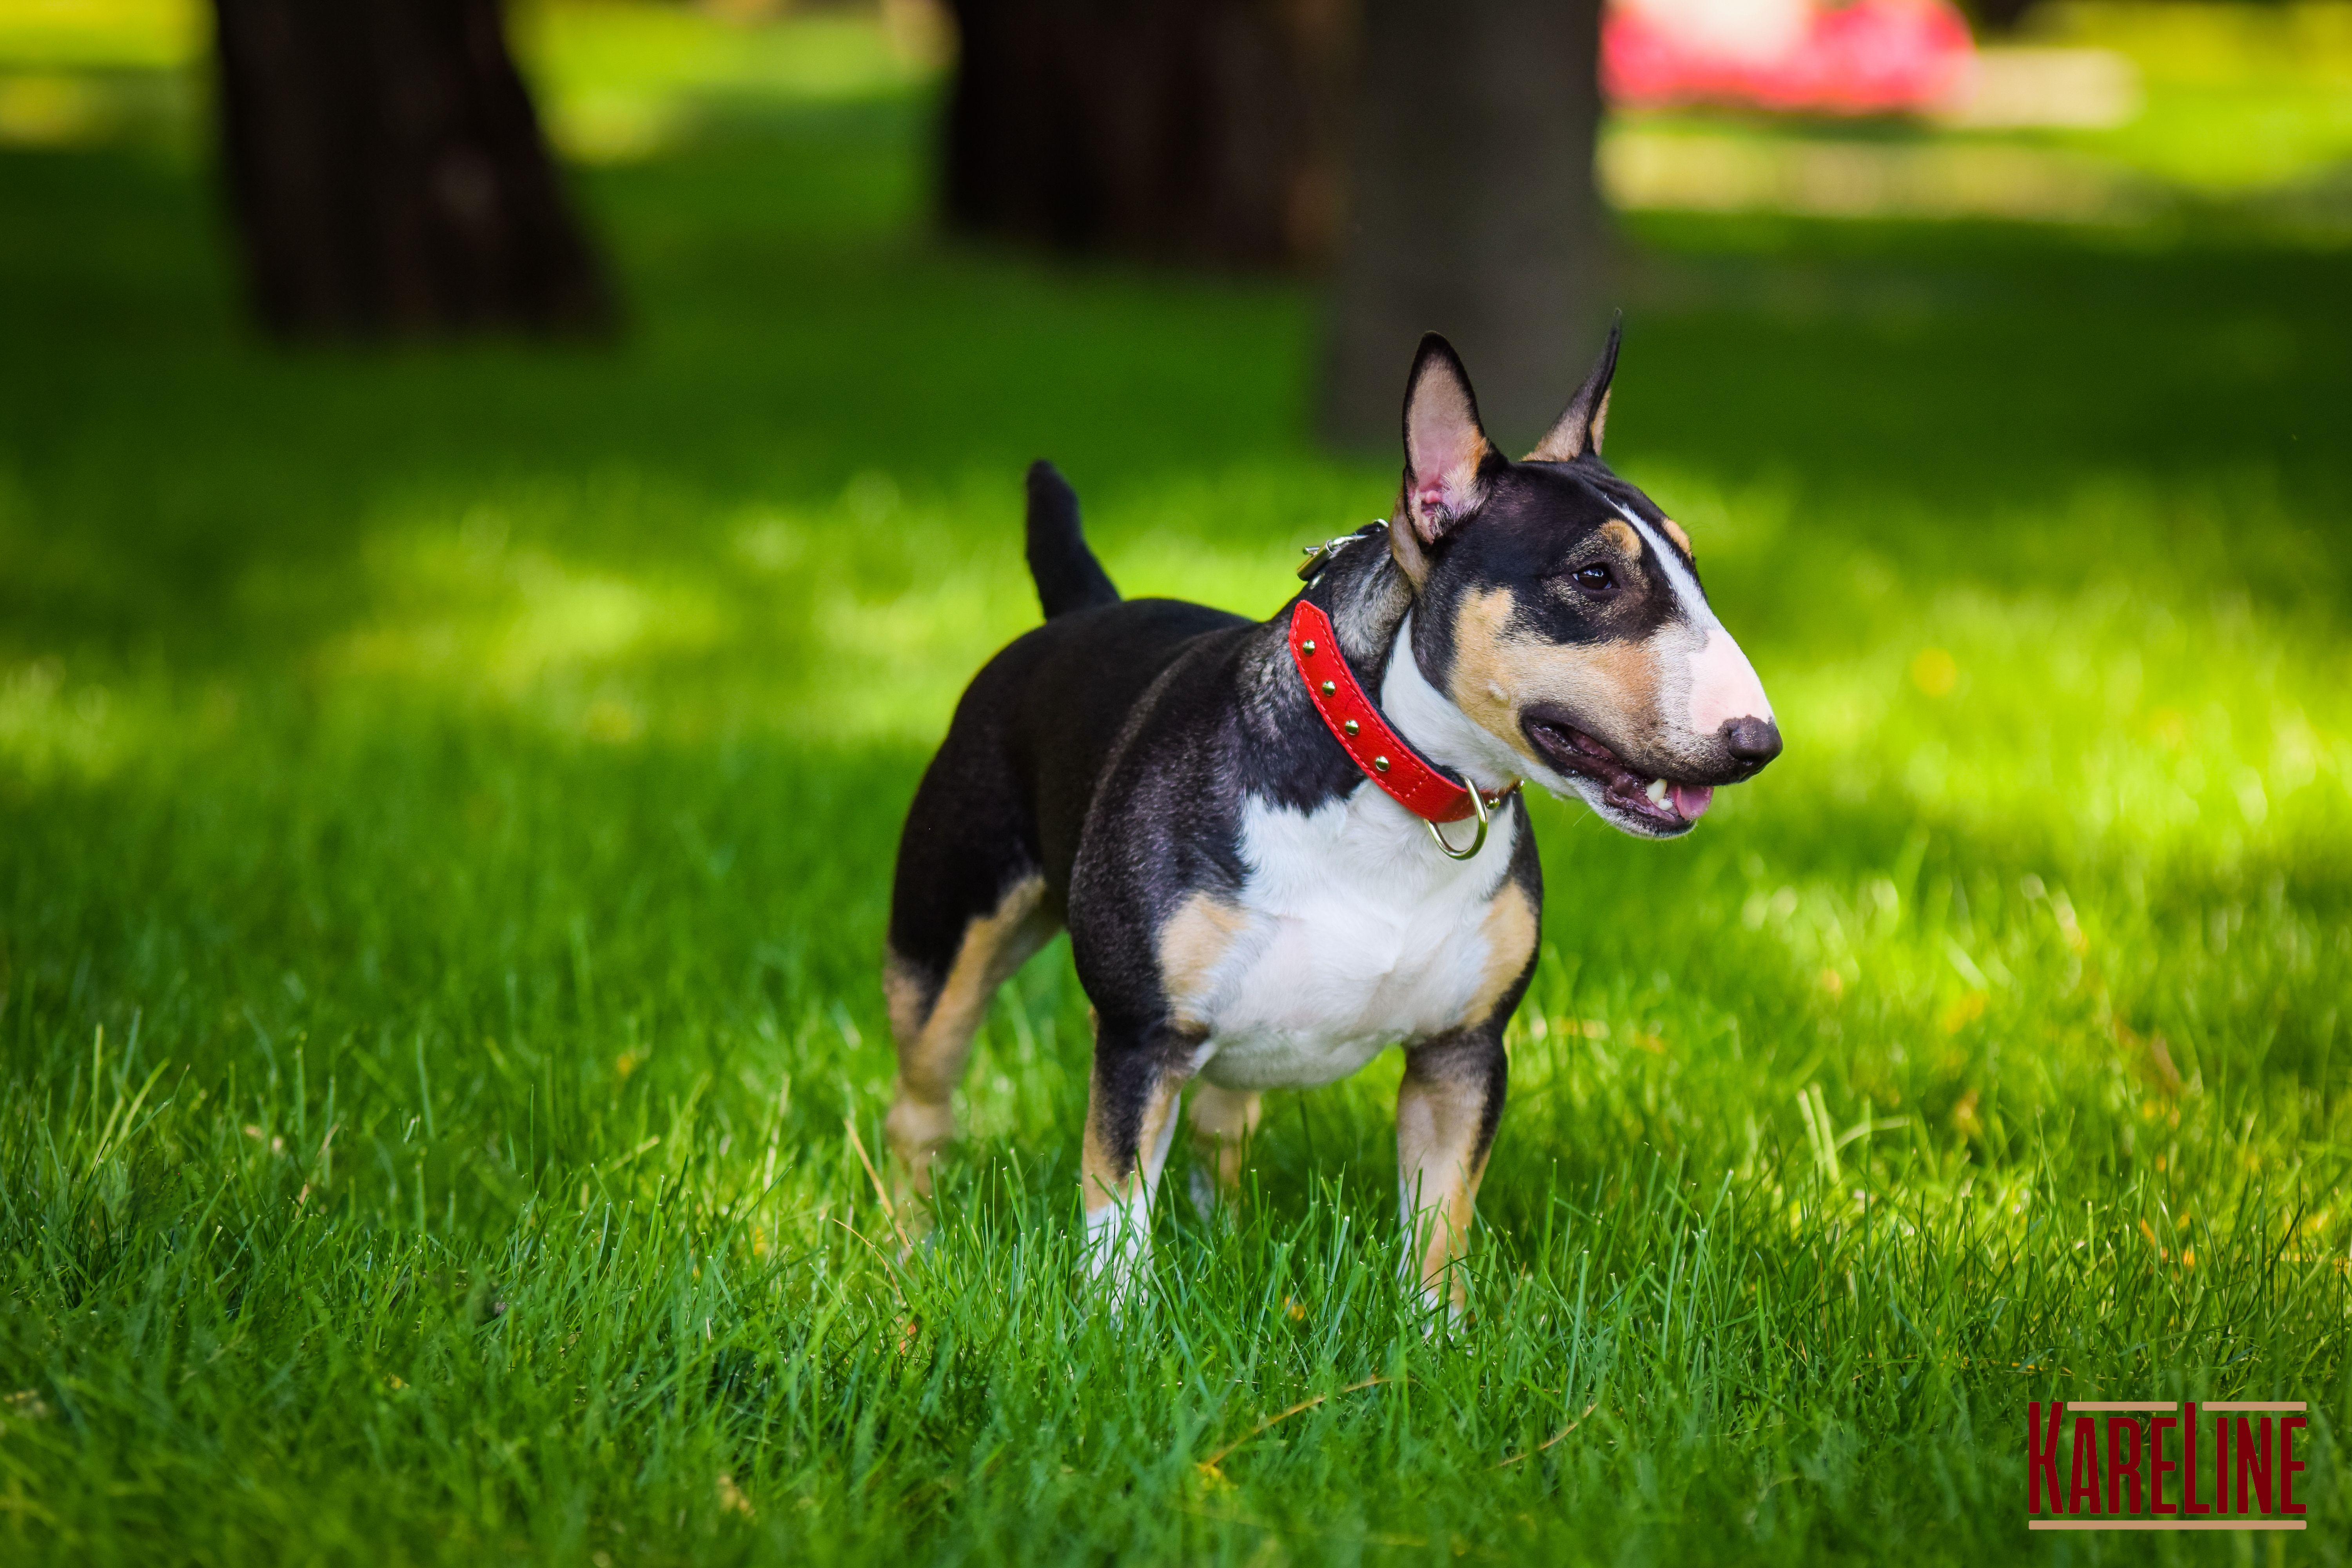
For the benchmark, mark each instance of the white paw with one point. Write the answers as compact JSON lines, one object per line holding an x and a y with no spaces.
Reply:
{"x":1204,"y":1188}
{"x":1118,"y":1251}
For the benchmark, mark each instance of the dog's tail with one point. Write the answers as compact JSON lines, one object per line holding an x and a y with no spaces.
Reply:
{"x":1068,"y":577}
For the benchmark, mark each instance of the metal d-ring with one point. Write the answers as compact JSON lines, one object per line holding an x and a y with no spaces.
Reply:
{"x":1478,"y":802}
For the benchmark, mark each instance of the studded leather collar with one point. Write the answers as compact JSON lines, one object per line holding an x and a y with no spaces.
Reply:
{"x":1400,"y":773}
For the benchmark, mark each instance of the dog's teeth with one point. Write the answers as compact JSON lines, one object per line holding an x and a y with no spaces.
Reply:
{"x":1657,"y":792}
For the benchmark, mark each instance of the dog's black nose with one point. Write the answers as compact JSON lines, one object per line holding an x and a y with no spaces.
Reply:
{"x":1752,"y":741}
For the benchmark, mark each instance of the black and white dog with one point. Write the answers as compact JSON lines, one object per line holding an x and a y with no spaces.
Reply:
{"x":1247,"y":844}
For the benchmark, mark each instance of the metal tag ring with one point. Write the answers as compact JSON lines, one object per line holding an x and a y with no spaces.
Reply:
{"x":1478,"y":803}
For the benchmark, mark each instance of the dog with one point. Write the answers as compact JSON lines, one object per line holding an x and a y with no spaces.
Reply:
{"x":1282,"y":846}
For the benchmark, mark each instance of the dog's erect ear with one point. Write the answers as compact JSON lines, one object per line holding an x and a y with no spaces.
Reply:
{"x":1444,"y":446}
{"x":1580,"y":429}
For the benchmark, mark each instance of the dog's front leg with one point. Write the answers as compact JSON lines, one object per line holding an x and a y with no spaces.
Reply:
{"x":1130,"y":1120}
{"x":1222,"y":1120}
{"x":1447,"y":1107}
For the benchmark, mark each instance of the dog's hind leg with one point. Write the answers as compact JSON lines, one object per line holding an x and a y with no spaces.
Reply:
{"x":1222,"y":1120}
{"x":968,"y":904}
{"x":937,"y":1000}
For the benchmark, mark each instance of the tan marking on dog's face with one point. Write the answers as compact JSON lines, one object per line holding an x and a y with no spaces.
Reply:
{"x":935,"y":1039}
{"x":1440,"y":1166}
{"x":1191,"y":944}
{"x":1109,"y":1179}
{"x":1509,"y":928}
{"x":1674,"y":531}
{"x":1621,"y":535}
{"x":1499,"y":672}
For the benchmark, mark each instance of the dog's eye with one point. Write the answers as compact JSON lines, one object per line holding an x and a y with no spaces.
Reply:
{"x":1594,"y":579}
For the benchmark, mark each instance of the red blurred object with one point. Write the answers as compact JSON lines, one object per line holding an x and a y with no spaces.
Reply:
{"x":1868,"y":56}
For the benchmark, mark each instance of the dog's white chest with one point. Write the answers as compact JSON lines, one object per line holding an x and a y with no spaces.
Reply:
{"x":1357,"y":934}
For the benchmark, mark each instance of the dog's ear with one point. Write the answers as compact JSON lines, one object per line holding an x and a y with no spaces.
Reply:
{"x":1444,"y":446}
{"x":1580,"y":429}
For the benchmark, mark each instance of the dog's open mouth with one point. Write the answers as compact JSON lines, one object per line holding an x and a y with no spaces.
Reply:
{"x":1659,"y":803}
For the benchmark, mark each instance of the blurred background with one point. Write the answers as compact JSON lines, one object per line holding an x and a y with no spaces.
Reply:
{"x":784,"y":261}
{"x":390,"y":169}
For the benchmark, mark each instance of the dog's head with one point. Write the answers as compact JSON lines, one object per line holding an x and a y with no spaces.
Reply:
{"x":1559,"y":609}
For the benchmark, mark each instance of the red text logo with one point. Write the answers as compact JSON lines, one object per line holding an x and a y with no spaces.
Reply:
{"x":2157,"y":1464}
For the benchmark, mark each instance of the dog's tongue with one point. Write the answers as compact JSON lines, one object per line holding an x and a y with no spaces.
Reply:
{"x":1691,"y":800}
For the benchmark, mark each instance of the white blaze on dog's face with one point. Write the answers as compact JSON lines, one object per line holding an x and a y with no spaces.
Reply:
{"x":1560,"y":611}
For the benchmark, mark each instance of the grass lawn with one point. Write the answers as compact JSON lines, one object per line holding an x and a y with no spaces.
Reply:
{"x":446,"y":802}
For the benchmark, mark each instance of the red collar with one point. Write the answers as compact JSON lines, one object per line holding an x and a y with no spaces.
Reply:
{"x":1403,"y":774}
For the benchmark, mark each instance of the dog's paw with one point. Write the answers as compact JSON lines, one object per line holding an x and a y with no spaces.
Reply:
{"x":1206,"y":1200}
{"x":1117,"y":1256}
{"x":1440,"y":1302}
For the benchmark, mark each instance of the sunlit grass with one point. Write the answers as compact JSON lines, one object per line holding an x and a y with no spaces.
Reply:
{"x":2239,"y":97}
{"x":109,"y":34}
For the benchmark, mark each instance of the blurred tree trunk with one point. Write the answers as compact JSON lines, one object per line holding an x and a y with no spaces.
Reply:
{"x":1472,"y":211}
{"x":388,"y":175}
{"x":1204,"y":132}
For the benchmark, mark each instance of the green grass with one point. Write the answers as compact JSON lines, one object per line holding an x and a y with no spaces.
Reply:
{"x":446,"y":802}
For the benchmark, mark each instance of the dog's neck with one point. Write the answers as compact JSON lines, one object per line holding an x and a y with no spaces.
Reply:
{"x":1436,"y":725}
{"x":1370,"y":604}
{"x":1366,"y":598}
